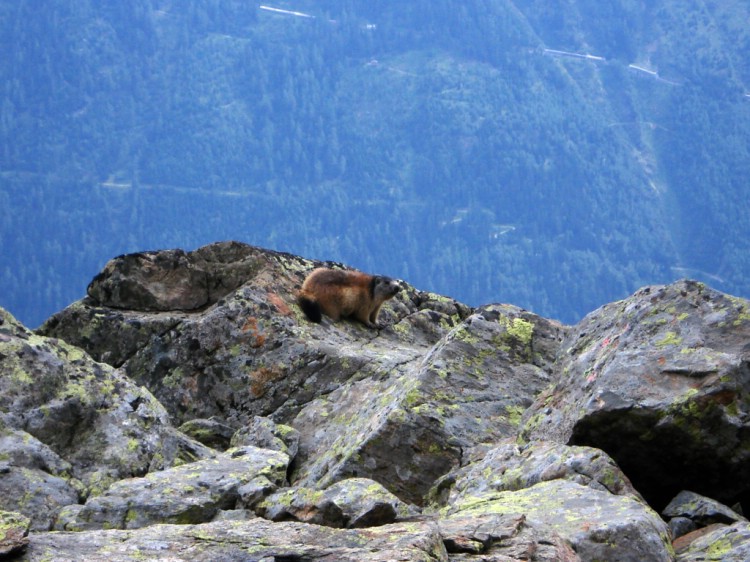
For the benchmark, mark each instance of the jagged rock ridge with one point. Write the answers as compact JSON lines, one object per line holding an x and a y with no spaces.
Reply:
{"x":460,"y":433}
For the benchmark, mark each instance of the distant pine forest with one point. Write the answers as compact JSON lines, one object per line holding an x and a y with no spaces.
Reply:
{"x":552,"y":155}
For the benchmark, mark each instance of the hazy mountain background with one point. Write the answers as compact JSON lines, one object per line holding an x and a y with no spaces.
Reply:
{"x":470,"y":147}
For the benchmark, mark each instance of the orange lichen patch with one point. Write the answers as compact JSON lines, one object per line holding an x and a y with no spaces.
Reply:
{"x":251,"y":326}
{"x":279,"y":303}
{"x":260,"y":378}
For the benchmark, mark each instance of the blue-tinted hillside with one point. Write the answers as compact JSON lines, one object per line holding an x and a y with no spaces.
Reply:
{"x":556,"y":155}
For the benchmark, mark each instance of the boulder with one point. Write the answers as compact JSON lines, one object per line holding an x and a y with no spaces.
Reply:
{"x":364,"y":502}
{"x":187,"y":494}
{"x":578,"y":492}
{"x":660,"y":381}
{"x":597,"y":524}
{"x":502,"y":538}
{"x":241,"y":355}
{"x":14,"y":530}
{"x":355,"y":502}
{"x":301,"y":504}
{"x":166,"y":280}
{"x":415,"y":417}
{"x":34,"y":480}
{"x":174,"y":279}
{"x":211,"y":432}
{"x":257,"y":540}
{"x":265,"y":433}
{"x":410,"y":399}
{"x":108,"y":335}
{"x":702,"y":511}
{"x":70,"y":426}
{"x":510,"y":467}
{"x":499,"y":538}
{"x":715,"y":543}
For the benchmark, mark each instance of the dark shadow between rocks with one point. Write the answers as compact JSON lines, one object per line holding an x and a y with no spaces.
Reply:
{"x":662,"y":459}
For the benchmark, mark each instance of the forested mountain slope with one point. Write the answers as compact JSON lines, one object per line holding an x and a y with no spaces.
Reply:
{"x":554,"y":155}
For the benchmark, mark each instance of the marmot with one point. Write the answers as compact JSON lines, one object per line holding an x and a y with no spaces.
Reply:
{"x":340,"y":294}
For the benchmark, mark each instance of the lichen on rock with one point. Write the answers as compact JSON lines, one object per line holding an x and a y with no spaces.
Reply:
{"x":452,"y":432}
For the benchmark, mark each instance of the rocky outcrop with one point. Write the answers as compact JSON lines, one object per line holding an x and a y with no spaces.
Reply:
{"x":174,"y":279}
{"x":450,"y":434}
{"x":254,"y":354}
{"x":70,"y":427}
{"x":573,"y":490}
{"x":661,"y":381}
{"x":191,"y":493}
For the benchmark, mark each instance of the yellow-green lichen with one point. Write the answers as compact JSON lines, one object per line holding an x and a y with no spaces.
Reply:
{"x":718,"y":549}
{"x":670,"y":338}
{"x":21,"y":377}
{"x":284,"y":430}
{"x":522,"y":330}
{"x":513,"y":414}
{"x":412,"y":398}
{"x":131,"y":516}
{"x":174,"y":378}
{"x":402,"y":328}
{"x":462,"y":334}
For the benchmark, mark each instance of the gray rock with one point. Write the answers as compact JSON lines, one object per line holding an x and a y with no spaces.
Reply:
{"x":510,"y":467}
{"x":171,"y":280}
{"x":658,"y":381}
{"x":500,"y":414}
{"x":265,"y":433}
{"x":411,"y":421}
{"x":108,"y":335}
{"x":679,"y":526}
{"x":352,"y":503}
{"x":255,"y":491}
{"x":14,"y":530}
{"x":239,"y":356}
{"x":502,"y":538}
{"x":151,"y":281}
{"x":701,"y":510}
{"x":72,"y":426}
{"x":212,"y":433}
{"x":234,"y":515}
{"x":717,"y":543}
{"x":34,"y":480}
{"x":257,"y":539}
{"x":410,"y":398}
{"x":364,"y":502}
{"x":188,"y":494}
{"x":599,"y":525}
{"x":303,"y":505}
{"x":174,"y":279}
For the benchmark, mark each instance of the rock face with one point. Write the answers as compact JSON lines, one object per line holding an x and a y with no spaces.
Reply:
{"x":450,"y":434}
{"x":661,"y":381}
{"x":70,"y":427}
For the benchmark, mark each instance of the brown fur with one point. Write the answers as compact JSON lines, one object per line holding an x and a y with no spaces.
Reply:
{"x":345,"y":294}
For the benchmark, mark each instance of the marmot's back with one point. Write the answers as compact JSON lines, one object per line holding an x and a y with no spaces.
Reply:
{"x":342,"y":294}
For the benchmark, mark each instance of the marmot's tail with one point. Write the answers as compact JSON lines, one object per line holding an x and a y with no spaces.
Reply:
{"x":311,"y":309}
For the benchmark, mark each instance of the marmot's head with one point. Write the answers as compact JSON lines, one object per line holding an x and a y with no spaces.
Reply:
{"x":384,"y":287}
